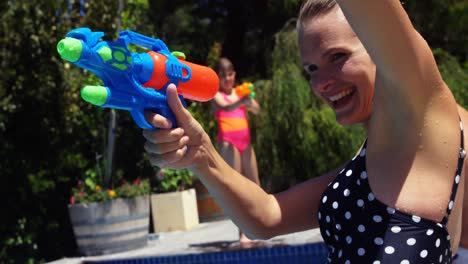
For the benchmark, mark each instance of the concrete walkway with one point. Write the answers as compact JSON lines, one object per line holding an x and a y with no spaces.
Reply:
{"x":206,"y":237}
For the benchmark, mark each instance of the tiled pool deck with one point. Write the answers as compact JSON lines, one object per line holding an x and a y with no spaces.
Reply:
{"x":214,"y":236}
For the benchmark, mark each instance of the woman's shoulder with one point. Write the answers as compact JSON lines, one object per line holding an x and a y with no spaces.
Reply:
{"x":463,"y":113}
{"x":404,"y":168}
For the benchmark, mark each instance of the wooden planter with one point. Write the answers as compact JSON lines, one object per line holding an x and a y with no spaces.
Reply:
{"x":109,"y":227}
{"x":174,"y":211}
{"x":208,"y":208}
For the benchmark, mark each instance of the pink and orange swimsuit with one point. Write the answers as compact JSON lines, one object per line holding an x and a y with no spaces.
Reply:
{"x":233,"y":126}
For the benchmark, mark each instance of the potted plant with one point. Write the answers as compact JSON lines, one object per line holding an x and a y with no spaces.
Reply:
{"x":109,"y":220}
{"x":174,"y":201}
{"x":208,"y":209}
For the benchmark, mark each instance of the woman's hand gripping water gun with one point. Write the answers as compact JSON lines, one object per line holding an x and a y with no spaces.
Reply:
{"x":183,"y":147}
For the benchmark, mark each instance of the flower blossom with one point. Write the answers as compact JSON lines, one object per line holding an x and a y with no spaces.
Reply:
{"x":112,"y":193}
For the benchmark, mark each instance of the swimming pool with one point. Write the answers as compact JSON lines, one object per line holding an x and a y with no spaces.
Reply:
{"x":294,"y":254}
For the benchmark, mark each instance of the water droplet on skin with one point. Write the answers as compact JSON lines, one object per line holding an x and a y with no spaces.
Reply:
{"x":421,"y":147}
{"x":420,"y":134}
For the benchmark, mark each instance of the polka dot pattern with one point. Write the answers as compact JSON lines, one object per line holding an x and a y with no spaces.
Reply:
{"x":358,"y":228}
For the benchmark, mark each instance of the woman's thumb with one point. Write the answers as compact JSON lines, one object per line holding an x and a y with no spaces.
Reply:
{"x":173,"y":100}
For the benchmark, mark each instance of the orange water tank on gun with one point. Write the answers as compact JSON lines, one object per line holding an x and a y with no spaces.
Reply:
{"x":201,"y":86}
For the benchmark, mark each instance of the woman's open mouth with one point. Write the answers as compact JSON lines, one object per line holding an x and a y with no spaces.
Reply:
{"x":342,"y":99}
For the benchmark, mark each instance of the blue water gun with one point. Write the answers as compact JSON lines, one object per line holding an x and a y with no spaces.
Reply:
{"x":134,"y":81}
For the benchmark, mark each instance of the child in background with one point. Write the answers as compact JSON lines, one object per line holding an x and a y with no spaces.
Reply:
{"x":233,"y":127}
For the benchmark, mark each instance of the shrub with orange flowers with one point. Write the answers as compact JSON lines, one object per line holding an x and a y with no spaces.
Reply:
{"x":89,"y":190}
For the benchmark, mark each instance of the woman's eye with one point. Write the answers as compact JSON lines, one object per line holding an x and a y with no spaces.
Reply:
{"x":337,"y":56}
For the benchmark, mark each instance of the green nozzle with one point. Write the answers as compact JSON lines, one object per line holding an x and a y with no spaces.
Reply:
{"x":179,"y":54}
{"x":70,"y":49}
{"x":94,"y":94}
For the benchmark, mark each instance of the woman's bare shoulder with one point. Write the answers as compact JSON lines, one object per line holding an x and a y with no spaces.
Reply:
{"x":462,"y":112}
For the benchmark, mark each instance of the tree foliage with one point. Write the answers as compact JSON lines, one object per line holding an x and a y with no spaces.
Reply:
{"x":455,"y":76}
{"x":49,"y":135}
{"x":443,"y":23}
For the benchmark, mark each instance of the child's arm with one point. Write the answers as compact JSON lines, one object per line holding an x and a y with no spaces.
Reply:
{"x":219,"y":102}
{"x":252,"y":105}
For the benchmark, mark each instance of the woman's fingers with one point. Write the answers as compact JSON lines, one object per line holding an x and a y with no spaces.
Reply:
{"x":163,"y":135}
{"x":165,"y":160}
{"x":157,"y":120}
{"x":170,"y":146}
{"x":165,"y":147}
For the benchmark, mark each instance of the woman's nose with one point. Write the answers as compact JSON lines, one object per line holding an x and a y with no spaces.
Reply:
{"x":322,"y":81}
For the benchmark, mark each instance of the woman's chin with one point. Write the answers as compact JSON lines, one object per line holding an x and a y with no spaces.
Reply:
{"x":350,"y":119}
{"x":344,"y":121}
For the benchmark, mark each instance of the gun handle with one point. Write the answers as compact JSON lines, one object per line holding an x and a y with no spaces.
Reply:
{"x":139,"y":115}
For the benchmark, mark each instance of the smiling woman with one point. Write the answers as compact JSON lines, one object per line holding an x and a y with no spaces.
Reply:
{"x":370,"y":65}
{"x":338,"y":64}
{"x":344,"y":75}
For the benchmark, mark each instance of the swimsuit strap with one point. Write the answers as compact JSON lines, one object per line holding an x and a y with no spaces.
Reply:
{"x":461,"y":158}
{"x":226,"y":98}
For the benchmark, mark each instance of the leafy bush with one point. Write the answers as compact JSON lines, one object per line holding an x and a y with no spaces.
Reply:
{"x":19,"y":244}
{"x":169,"y":180}
{"x":455,"y":76}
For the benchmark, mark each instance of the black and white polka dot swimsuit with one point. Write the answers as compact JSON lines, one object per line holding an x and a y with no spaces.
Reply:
{"x":359,"y":229}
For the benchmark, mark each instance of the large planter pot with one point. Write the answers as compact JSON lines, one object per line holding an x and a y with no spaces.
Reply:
{"x":174,"y":211}
{"x":208,"y":209}
{"x":109,"y":227}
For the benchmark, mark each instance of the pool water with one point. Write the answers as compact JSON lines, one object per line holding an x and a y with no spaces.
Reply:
{"x":294,"y":254}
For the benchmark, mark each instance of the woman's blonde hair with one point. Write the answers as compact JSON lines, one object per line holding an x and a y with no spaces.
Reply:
{"x":314,"y":8}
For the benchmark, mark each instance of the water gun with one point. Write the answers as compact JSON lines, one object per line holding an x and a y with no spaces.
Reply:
{"x":136,"y":81}
{"x":246,"y":88}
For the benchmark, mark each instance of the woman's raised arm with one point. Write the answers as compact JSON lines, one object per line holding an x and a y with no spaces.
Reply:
{"x":402,"y":56}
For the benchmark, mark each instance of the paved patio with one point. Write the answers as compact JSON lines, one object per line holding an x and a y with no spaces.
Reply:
{"x":206,"y":237}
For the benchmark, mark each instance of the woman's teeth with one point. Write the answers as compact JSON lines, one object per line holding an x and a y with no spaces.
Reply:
{"x":337,"y":97}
